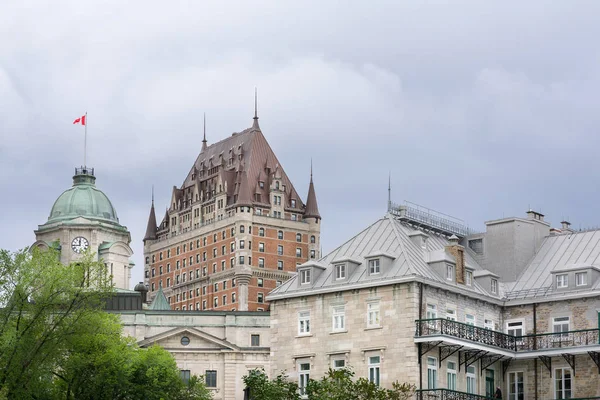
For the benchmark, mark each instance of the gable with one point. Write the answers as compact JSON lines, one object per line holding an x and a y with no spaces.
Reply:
{"x":198,"y":340}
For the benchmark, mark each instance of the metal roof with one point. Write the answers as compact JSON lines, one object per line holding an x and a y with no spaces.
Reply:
{"x":390,"y":236}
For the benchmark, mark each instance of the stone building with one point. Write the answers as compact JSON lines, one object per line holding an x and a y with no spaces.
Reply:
{"x":233,"y":231}
{"x":417,"y":297}
{"x":83,"y":218}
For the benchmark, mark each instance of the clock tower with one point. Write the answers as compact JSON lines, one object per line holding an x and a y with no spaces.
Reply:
{"x":82,"y":219}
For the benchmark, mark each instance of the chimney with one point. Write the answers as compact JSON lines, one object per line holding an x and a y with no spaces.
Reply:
{"x":566,"y":225}
{"x":458,"y":252}
{"x":535,"y":215}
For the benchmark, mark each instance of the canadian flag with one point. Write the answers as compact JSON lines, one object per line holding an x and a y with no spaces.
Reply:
{"x":80,"y":120}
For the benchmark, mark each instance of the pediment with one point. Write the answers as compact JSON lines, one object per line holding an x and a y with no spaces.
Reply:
{"x":198,"y":340}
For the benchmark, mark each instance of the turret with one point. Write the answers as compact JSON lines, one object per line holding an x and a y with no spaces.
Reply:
{"x":151,"y":228}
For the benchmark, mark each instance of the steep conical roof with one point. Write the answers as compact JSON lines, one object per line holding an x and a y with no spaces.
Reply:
{"x":312,"y":209}
{"x":160,"y":302}
{"x":151,"y":228}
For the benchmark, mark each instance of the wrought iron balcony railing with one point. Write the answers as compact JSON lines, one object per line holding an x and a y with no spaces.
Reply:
{"x":476,"y":334}
{"x":447,"y":394}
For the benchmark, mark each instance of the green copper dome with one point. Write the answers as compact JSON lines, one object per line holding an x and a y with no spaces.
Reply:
{"x":83,"y":200}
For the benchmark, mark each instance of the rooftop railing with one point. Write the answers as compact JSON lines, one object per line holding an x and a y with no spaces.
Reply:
{"x":430,"y":219}
{"x":476,"y":334}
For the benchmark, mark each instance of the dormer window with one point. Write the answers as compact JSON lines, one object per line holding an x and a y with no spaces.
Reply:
{"x":374,"y":267}
{"x":449,"y":272}
{"x":494,"y":286}
{"x":562,"y":281}
{"x":340,"y":271}
{"x":305,"y":276}
{"x":469,"y":278}
{"x":277,"y":185}
{"x":261,"y":184}
{"x":581,"y":279}
{"x":293,"y":203}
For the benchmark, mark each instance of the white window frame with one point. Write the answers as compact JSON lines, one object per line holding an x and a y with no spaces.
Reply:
{"x":338,"y":319}
{"x":305,"y":276}
{"x":373,"y":314}
{"x":562,"y":281}
{"x":432,"y":373}
{"x":562,"y":393}
{"x":375,"y":369}
{"x":451,"y":375}
{"x":336,"y":360}
{"x":494,"y":286}
{"x":469,"y":278}
{"x":471,"y":380}
{"x":304,"y":322}
{"x":512,"y":390}
{"x":515,"y":326}
{"x":584,"y":275}
{"x":449,"y":272}
{"x":374,"y":266}
{"x":488,"y":324}
{"x":303,"y":376}
{"x":451,"y":314}
{"x":431,"y":311}
{"x":470,"y":319}
{"x":340,"y":271}
{"x":561,"y":325}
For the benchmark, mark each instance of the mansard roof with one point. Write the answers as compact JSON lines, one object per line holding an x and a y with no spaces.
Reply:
{"x":387,"y":236}
{"x":562,"y":253}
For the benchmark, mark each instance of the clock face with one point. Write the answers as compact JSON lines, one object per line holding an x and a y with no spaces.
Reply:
{"x":79,"y":244}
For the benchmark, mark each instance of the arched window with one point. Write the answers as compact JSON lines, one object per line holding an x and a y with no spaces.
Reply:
{"x":313,"y":239}
{"x":261,"y":232}
{"x":280,"y":235}
{"x":298,"y":237}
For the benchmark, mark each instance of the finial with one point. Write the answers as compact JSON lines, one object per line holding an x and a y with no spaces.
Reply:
{"x":311,"y":169}
{"x":204,"y":139}
{"x":152,"y":195}
{"x":390,"y":191}
{"x":255,"y":103}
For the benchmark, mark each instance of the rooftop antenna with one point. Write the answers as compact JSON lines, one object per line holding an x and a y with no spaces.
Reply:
{"x":390,"y":191}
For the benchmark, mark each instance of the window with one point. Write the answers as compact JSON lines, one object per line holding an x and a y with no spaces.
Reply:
{"x":233,"y":282}
{"x":494,"y":287}
{"x":562,"y":281}
{"x":254,"y":340}
{"x":153,"y":287}
{"x":374,"y":365}
{"x":211,"y":378}
{"x":338,"y":363}
{"x":560,"y":325}
{"x":242,"y":244}
{"x":312,"y":254}
{"x":178,"y":264}
{"x":431,"y":311}
{"x":470,"y":319}
{"x":293,"y":203}
{"x":339,"y":318}
{"x":204,"y":304}
{"x":451,"y":375}
{"x":169,"y":267}
{"x":449,"y":272}
{"x":260,"y":298}
{"x":280,"y":235}
{"x":340,"y":271}
{"x":216,"y":302}
{"x":304,"y":276}
{"x":514,"y":328}
{"x":184,"y":374}
{"x":451,"y":314}
{"x":304,"y":323}
{"x":516,"y":386}
{"x":303,"y":377}
{"x":374,"y":268}
{"x":431,"y":372}
{"x":233,"y":297}
{"x":313,"y":239}
{"x":241,"y":260}
{"x":562,"y":383}
{"x":469,"y":278}
{"x":298,"y":237}
{"x":581,"y":279}
{"x":280,"y":265}
{"x":261,"y":262}
{"x":261,"y":231}
{"x":471,"y":380}
{"x":280,"y":250}
{"x":160,"y":269}
{"x":216,"y":287}
{"x":373,"y":315}
{"x":261,"y":247}
{"x":488,"y":324}
{"x":168,"y":282}
{"x":242,"y":229}
{"x":224,"y":299}
{"x":298,"y":252}
{"x":259,"y":282}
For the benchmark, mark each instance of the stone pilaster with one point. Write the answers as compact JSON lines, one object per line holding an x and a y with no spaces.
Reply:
{"x":242,"y":277}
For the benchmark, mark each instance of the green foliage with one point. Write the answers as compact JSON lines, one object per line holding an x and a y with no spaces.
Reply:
{"x":56,"y":342}
{"x":263,"y":388}
{"x":335,"y":385}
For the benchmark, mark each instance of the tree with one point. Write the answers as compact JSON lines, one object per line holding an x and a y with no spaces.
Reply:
{"x":56,"y":342}
{"x":260,"y":387}
{"x":335,"y":385}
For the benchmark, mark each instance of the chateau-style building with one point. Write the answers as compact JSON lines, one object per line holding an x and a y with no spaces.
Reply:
{"x":417,"y":297}
{"x":233,"y":231}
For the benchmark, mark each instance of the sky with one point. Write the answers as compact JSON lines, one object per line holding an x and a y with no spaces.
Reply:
{"x":480,"y":110}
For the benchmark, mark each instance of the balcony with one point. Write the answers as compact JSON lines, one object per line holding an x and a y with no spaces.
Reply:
{"x":447,"y":394}
{"x":477,"y":338}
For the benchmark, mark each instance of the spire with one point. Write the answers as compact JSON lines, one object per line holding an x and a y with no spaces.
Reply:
{"x":151,"y":228}
{"x":390,"y":191}
{"x":160,"y":302}
{"x":255,"y":123}
{"x":312,"y":210}
{"x":204,"y":146}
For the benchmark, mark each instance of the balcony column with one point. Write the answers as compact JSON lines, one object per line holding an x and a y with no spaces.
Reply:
{"x":242,"y":278}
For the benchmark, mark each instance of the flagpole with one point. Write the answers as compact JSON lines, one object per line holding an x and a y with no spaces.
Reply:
{"x":85,"y":141}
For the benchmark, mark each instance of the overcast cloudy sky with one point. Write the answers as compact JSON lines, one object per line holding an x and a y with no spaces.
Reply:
{"x":479,"y":109}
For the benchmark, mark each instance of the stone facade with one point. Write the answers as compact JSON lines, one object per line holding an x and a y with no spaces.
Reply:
{"x":216,"y":341}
